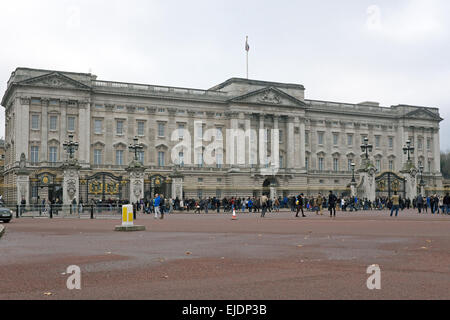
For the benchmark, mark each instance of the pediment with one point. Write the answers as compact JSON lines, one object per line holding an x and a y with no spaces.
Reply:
{"x":55,"y":80}
{"x":269,"y":96}
{"x":423,"y":114}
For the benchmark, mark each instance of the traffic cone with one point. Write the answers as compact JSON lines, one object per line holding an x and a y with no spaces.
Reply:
{"x":234,"y":215}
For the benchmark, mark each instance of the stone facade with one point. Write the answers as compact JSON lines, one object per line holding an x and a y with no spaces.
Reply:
{"x":318,"y":139}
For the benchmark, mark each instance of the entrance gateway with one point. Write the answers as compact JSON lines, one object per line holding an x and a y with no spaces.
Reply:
{"x":389,"y":182}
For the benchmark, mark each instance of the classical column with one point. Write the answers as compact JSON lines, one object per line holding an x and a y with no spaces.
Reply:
{"x":436,"y":151}
{"x":250,"y":144}
{"x":84,"y":132}
{"x":62,"y":129}
{"x":22,"y":129}
{"x":302,"y":144}
{"x":262,"y":145}
{"x":290,"y":143}
{"x":43,"y":156}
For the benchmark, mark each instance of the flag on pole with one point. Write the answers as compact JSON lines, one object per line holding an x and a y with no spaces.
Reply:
{"x":247,"y":47}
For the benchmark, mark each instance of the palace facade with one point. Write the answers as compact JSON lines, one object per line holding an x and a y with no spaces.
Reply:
{"x":318,"y":140}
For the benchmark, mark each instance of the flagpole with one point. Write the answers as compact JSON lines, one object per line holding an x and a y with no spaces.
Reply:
{"x":246,"y":44}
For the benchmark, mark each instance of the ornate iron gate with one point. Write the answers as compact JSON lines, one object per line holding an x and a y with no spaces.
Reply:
{"x":104,"y":186}
{"x":46,"y":186}
{"x":388,"y":182}
{"x":159,"y":184}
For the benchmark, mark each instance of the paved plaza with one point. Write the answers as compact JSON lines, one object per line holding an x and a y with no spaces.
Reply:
{"x":209,"y":256}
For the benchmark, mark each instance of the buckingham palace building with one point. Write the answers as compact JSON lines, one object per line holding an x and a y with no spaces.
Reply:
{"x":317,"y":140}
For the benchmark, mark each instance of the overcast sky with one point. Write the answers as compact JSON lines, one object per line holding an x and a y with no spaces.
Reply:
{"x":391,"y":52}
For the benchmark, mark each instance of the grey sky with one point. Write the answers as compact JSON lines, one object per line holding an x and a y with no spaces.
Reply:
{"x":350,"y":51}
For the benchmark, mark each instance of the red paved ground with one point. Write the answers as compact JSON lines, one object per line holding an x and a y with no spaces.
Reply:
{"x":188,"y":256}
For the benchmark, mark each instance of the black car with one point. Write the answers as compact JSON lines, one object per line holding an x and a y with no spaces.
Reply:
{"x":5,"y":213}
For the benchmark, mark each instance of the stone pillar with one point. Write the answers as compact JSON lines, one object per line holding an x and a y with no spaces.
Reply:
{"x":410,"y":172}
{"x":177,"y":187}
{"x":290,"y":143}
{"x":353,"y":189}
{"x":302,"y":144}
{"x":273,"y":193}
{"x":262,"y":145}
{"x":71,"y":182}
{"x":43,"y":154}
{"x":84,"y":129}
{"x":136,"y":173}
{"x":367,"y":175}
{"x":251,"y":146}
{"x":436,"y":151}
{"x":62,"y":127}
{"x":23,"y":187}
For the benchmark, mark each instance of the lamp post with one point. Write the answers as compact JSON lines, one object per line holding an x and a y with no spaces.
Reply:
{"x":135,"y":147}
{"x":366,"y":147}
{"x":353,"y":172}
{"x":408,"y":149}
{"x":70,"y":146}
{"x":421,"y":181}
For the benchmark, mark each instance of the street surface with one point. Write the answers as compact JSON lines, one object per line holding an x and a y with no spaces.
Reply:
{"x":209,"y":256}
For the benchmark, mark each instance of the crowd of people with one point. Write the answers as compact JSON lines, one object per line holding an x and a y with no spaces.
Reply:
{"x":316,"y":204}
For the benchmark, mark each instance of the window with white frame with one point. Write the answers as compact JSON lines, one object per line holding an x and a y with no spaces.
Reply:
{"x":391,"y":165}
{"x":119,"y":157}
{"x":335,"y":138}
{"x":335,"y":164}
{"x":391,"y":142}
{"x":420,"y":143}
{"x":349,"y":164}
{"x":97,"y":156}
{"x":200,"y":158}
{"x":219,"y":135}
{"x":97,"y":126}
{"x":181,"y":131}
{"x":161,"y":158}
{"x":219,"y":159}
{"x":119,"y":127}
{"x":377,"y":141}
{"x":53,"y":154}
{"x":71,"y":123}
{"x":306,"y":163}
{"x":35,"y":122}
{"x":34,"y":154}
{"x":281,"y":162}
{"x":140,"y":155}
{"x":320,"y":166}
{"x":53,"y":122}
{"x":181,"y":158}
{"x":428,"y":144}
{"x":161,"y":129}
{"x":320,"y":137}
{"x":378,"y":164}
{"x":350,"y":140}
{"x":306,"y":137}
{"x":140,"y":128}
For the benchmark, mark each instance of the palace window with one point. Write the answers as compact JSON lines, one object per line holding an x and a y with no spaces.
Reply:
{"x":280,"y":136}
{"x":199,"y":194}
{"x":53,"y":122}
{"x":391,"y":142}
{"x":97,"y":156}
{"x":71,"y":123}
{"x":98,"y":126}
{"x":306,"y":138}
{"x":219,"y":135}
{"x":119,"y":127}
{"x":140,"y":155}
{"x":420,"y":143}
{"x":281,"y":162}
{"x":53,"y":154}
{"x":377,"y":141}
{"x":378,"y":164}
{"x":161,"y":158}
{"x":180,"y":131}
{"x":320,"y":137}
{"x":34,"y":154}
{"x":35,"y":122}
{"x":350,"y":140}
{"x":391,"y":165}
{"x":429,"y":165}
{"x":335,"y":139}
{"x":320,"y":164}
{"x":428,"y":144}
{"x":140,"y":128}
{"x":200,"y":159}
{"x":119,"y":157}
{"x":161,"y":127}
{"x":306,"y":163}
{"x":219,"y":160}
{"x":335,"y":164}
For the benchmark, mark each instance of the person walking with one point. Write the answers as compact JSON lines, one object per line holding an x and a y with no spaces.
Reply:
{"x":319,"y":202}
{"x":332,"y":199}
{"x":419,"y":203}
{"x":156,"y":205}
{"x":263,"y":202}
{"x":299,"y":204}
{"x":395,"y":203}
{"x":446,"y":203}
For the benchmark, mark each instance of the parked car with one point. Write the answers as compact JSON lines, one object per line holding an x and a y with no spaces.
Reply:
{"x":5,"y":213}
